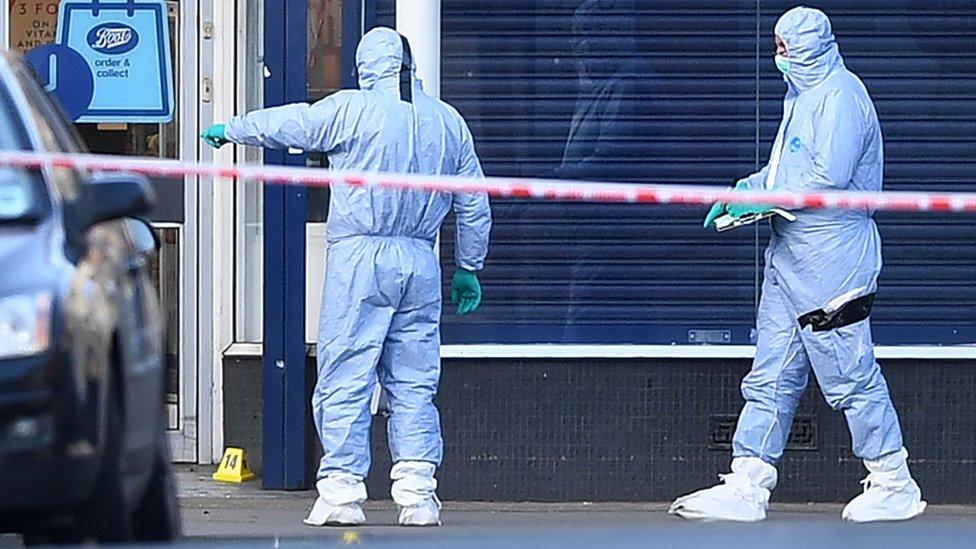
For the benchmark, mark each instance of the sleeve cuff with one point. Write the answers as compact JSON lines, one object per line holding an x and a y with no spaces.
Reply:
{"x":230,"y":130}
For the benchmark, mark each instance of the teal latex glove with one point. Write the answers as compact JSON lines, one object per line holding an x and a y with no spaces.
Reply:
{"x":718,"y":209}
{"x":741,"y":210}
{"x":215,"y":136}
{"x":465,"y":291}
{"x":735,"y":210}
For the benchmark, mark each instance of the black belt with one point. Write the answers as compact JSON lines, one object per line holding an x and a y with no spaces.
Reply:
{"x":850,"y":313}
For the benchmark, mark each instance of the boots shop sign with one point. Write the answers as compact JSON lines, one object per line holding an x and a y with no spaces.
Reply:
{"x":111,"y":61}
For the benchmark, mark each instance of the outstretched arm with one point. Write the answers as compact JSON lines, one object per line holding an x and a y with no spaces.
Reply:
{"x":313,"y":128}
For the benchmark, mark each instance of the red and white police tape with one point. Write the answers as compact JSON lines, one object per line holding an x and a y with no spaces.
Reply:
{"x":576,"y":191}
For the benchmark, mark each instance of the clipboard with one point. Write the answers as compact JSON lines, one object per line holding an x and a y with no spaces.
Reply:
{"x":727,"y":222}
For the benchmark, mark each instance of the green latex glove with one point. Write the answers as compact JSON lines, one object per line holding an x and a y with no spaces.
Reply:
{"x":215,"y":136}
{"x":465,"y":291}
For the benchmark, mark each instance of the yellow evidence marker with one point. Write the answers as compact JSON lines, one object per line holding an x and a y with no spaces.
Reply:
{"x":233,"y":467}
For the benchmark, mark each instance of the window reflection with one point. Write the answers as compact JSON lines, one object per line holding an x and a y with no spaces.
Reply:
{"x":609,"y":109}
{"x":324,"y":78}
{"x":324,"y":47}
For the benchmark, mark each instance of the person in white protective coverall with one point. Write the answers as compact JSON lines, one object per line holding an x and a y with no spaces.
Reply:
{"x":820,"y":279}
{"x":382,"y":296}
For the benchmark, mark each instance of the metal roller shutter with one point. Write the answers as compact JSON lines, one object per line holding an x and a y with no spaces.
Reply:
{"x":607,"y":273}
{"x":918,"y":60}
{"x":693,"y":97}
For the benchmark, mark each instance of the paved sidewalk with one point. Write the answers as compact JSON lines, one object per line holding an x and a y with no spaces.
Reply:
{"x":213,"y":511}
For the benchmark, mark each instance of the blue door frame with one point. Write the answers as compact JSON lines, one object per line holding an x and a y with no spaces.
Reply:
{"x":284,"y":262}
{"x":286,"y":401}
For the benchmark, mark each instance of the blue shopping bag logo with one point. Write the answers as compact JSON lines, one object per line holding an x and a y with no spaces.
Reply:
{"x":127,"y":73}
{"x":64,"y":73}
{"x":113,"y":38}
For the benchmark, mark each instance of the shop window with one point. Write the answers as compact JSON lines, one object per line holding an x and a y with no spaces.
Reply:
{"x":33,"y":23}
{"x":249,"y":310}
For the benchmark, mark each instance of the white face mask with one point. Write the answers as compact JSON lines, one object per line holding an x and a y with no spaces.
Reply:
{"x":783,"y":64}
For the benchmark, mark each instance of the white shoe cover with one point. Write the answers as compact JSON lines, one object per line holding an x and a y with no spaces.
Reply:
{"x":340,"y":501}
{"x":743,"y":495}
{"x":890,"y":493}
{"x":427,"y":513}
{"x":414,"y":488}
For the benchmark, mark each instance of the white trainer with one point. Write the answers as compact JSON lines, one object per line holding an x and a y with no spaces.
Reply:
{"x":414,"y":491}
{"x":340,"y":501}
{"x":890,"y":493}
{"x":743,"y":495}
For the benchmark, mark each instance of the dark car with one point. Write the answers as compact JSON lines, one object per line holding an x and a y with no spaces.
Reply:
{"x":83,"y":448}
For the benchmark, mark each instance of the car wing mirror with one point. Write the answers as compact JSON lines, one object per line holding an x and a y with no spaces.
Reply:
{"x":114,"y":196}
{"x":144,"y":237}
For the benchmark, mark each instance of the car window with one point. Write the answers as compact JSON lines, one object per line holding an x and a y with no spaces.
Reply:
{"x":63,"y":133}
{"x":57,"y":133}
{"x":22,"y":193}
